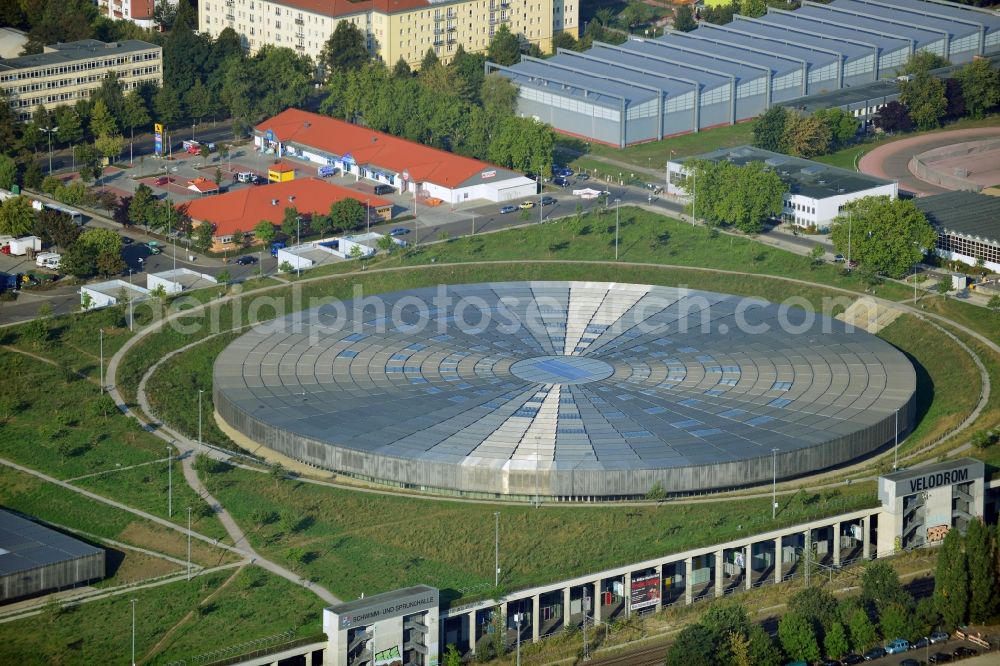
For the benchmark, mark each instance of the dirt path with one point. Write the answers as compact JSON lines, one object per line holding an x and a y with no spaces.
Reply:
{"x":180,"y":623}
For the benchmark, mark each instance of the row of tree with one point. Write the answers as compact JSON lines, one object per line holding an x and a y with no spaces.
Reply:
{"x":886,"y":236}
{"x":742,"y":196}
{"x":804,"y":135}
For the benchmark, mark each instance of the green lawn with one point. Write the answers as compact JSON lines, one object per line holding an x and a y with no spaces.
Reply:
{"x":358,"y":542}
{"x":655,"y":154}
{"x":204,"y":616}
{"x":34,"y":497}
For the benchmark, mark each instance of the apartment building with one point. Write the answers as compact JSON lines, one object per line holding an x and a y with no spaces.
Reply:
{"x":139,"y":12}
{"x":394,"y":28}
{"x":65,"y":73}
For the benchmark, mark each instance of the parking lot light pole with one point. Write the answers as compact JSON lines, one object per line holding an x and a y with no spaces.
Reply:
{"x":617,"y":205}
{"x":131,"y":312}
{"x":49,"y":131}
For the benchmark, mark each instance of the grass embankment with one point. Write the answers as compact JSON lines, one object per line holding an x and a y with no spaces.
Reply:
{"x":202,"y":615}
{"x":53,"y":422}
{"x":32,"y":496}
{"x":356,"y":542}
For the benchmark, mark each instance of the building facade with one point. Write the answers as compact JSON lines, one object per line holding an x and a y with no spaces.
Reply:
{"x":968,"y":226}
{"x":394,"y":29}
{"x":139,"y":12}
{"x":650,"y":89}
{"x":65,"y":73}
{"x":816,"y":192}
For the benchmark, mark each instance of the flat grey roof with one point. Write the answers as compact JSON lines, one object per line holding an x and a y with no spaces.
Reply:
{"x":71,"y":51}
{"x":710,"y":48}
{"x":801,"y":20}
{"x":802,"y":176}
{"x":707,"y":80}
{"x":965,"y":213}
{"x":536,"y":74}
{"x":876,"y":12}
{"x":699,"y":58}
{"x":918,"y":472}
{"x":962,"y":12}
{"x":923,"y":37}
{"x":813,"y":58}
{"x":26,"y":545}
{"x":382,"y":599}
{"x":875,"y":90}
{"x":850,"y":50}
{"x":550,"y":376}
{"x":611,"y":70}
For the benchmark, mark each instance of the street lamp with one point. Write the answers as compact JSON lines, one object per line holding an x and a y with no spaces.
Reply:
{"x":200,"y":443}
{"x":368,"y":216}
{"x":895,"y":447}
{"x":617,"y":203}
{"x":131,"y":312}
{"x":774,"y":483}
{"x":49,"y":131}
{"x":189,"y":545}
{"x":133,"y":631}
{"x":496,"y":547}
{"x":298,"y":241}
{"x":102,"y":358}
{"x":170,"y":482}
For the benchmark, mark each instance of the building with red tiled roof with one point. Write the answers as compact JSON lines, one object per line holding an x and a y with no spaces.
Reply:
{"x":139,"y":12}
{"x":388,"y":160}
{"x":242,"y":209}
{"x":203,"y":186}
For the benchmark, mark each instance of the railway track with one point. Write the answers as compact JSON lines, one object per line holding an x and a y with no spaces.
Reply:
{"x":653,"y":656}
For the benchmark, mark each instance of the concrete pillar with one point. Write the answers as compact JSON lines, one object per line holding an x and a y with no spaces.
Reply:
{"x":536,"y":618}
{"x":308,"y":658}
{"x":836,"y":544}
{"x":866,"y":546}
{"x":747,"y":569}
{"x":472,"y":632}
{"x":628,"y":593}
{"x":597,"y":602}
{"x":807,"y":553}
{"x":719,"y":560}
{"x":688,"y":571}
{"x":659,"y":591}
{"x":566,"y":600}
{"x":777,"y":559}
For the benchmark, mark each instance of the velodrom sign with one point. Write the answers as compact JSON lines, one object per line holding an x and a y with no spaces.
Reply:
{"x":939,"y":479}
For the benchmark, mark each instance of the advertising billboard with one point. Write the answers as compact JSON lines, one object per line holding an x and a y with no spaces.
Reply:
{"x":158,"y":139}
{"x":645,"y":591}
{"x":390,"y":657}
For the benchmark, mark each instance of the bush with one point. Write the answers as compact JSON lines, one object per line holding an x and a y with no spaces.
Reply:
{"x":982,"y":439}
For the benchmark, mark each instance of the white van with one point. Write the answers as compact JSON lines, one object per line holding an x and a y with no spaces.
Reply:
{"x":48,"y":260}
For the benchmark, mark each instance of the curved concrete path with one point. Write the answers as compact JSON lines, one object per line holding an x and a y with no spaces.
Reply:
{"x":891,"y":160}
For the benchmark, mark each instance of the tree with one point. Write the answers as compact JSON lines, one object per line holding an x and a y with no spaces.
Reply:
{"x":565,"y":41}
{"x":798,"y":638}
{"x":817,"y":606}
{"x":386,"y":244}
{"x":429,"y":60}
{"x":33,"y":175}
{"x":886,"y":235}
{"x":278,"y":473}
{"x":347,"y":214}
{"x":922,"y":62}
{"x":70,"y":126}
{"x":769,"y":130}
{"x":198,"y":100}
{"x":843,"y":127}
{"x":753,"y":8}
{"x":56,"y":228}
{"x":452,"y":657}
{"x":816,"y":254}
{"x":120,"y":213}
{"x":925,"y":616}
{"x":166,"y":103}
{"x":102,"y":123}
{"x":141,"y":207}
{"x":896,"y":621}
{"x":739,"y":649}
{"x":980,"y":86}
{"x":763,"y":651}
{"x":981,"y":556}
{"x":346,"y":49}
{"x":164,"y":14}
{"x":401,"y":70}
{"x":109,"y":147}
{"x":863,"y":635}
{"x":110,"y":93}
{"x":17,"y":217}
{"x":835,"y":643}
{"x":264,"y":231}
{"x":110,"y":263}
{"x":743,"y":196}
{"x":684,"y":20}
{"x":203,"y":237}
{"x":724,"y":620}
{"x":695,"y":646}
{"x":523,"y":144}
{"x":8,"y":172}
{"x":956,"y":101}
{"x":505,"y":47}
{"x":893,"y":117}
{"x":951,"y":581}
{"x":880,"y":587}
{"x":806,"y":136}
{"x":79,"y":260}
{"x":923,"y":95}
{"x":635,"y":13}
{"x":290,"y":221}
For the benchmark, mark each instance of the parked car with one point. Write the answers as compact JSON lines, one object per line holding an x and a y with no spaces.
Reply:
{"x":852,"y":659}
{"x":399,"y":231}
{"x":839,"y":258}
{"x":153,"y":247}
{"x":526,"y":205}
{"x":583,"y":176}
{"x":507,"y":209}
{"x":126,"y":240}
{"x":921,"y":643}
{"x":565,"y":172}
{"x":561,"y":181}
{"x":548,"y":201}
{"x":246,"y":260}
{"x":909,"y":662}
{"x":874,"y":653}
{"x":939,"y":658}
{"x":939,"y":637}
{"x":829,"y":662}
{"x":161,"y":181}
{"x":961,"y":652}
{"x":897,"y":646}
{"x":654,"y":188}
{"x":278,"y":245}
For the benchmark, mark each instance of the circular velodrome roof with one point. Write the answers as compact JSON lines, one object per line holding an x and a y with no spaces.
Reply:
{"x":566,"y":389}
